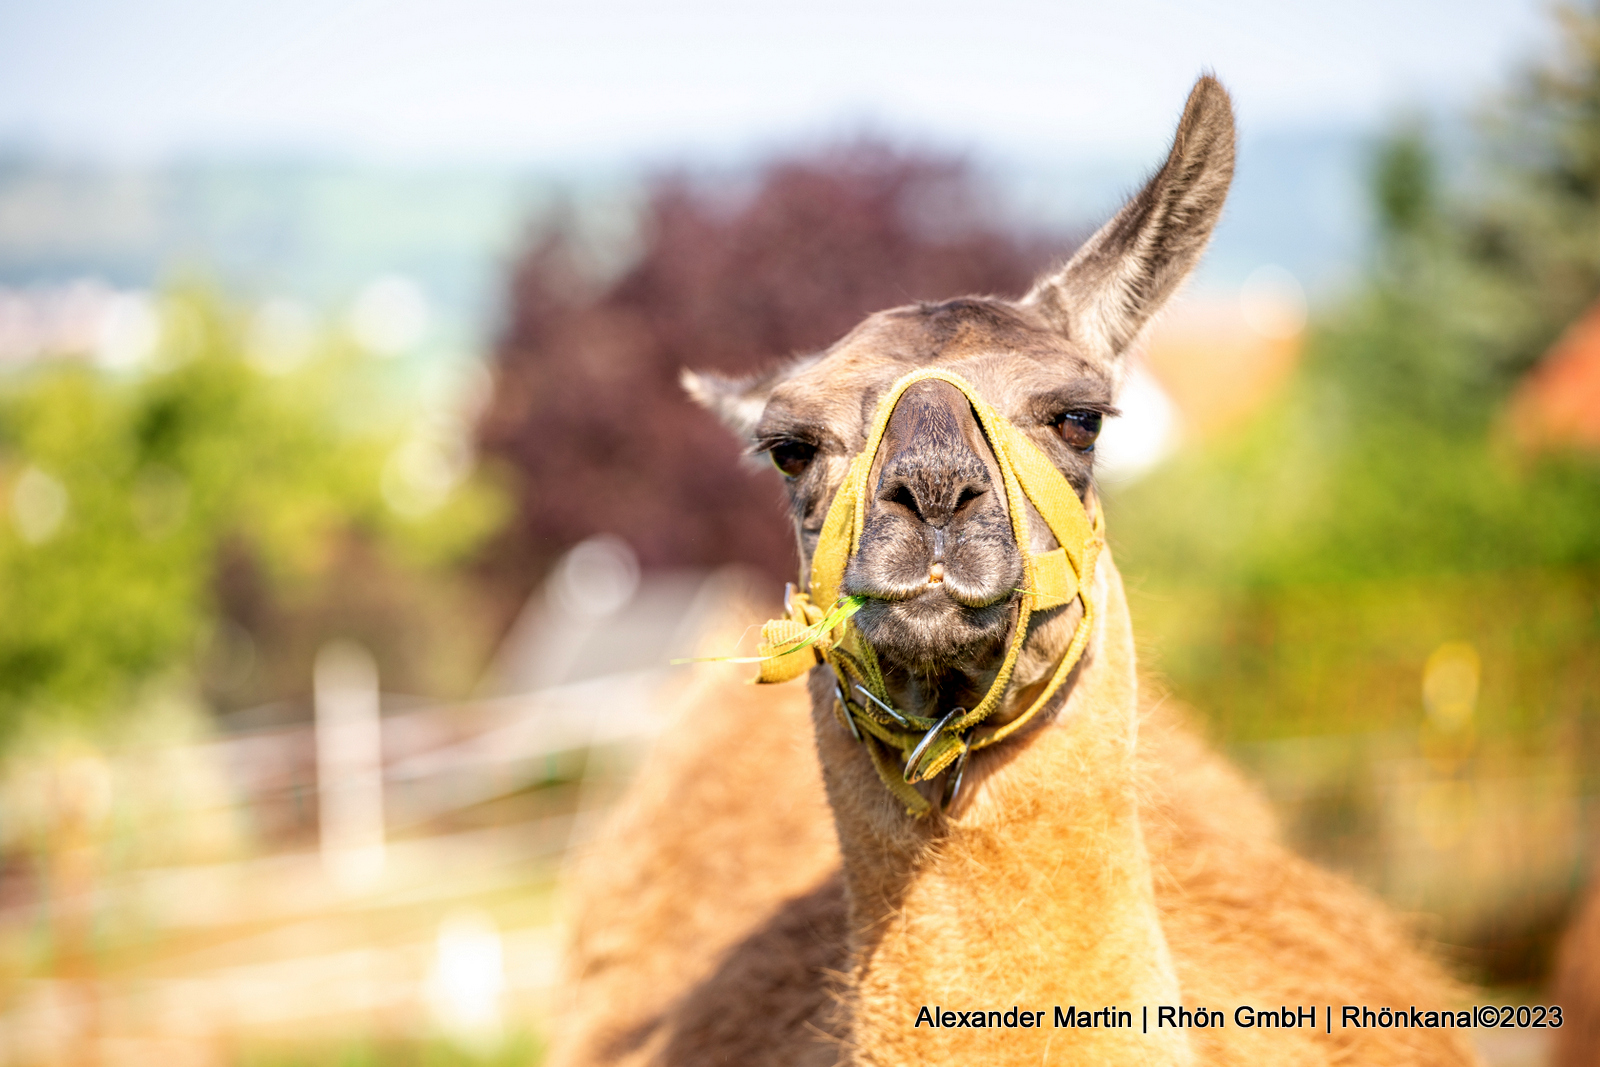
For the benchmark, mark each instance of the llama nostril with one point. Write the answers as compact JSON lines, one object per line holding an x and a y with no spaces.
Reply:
{"x":907,"y":499}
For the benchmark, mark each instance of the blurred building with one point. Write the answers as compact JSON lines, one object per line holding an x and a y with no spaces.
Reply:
{"x":1558,"y":403}
{"x":1212,"y":359}
{"x":1222,"y":358}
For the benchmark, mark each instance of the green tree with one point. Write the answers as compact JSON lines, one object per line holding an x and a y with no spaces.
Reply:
{"x":127,"y":495}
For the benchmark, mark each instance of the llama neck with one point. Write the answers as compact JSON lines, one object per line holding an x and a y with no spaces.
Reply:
{"x":1036,"y":893}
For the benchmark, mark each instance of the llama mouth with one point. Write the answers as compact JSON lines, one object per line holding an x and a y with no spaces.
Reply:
{"x":933,"y":633}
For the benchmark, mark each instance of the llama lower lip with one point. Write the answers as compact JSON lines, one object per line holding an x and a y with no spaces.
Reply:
{"x":933,"y":630}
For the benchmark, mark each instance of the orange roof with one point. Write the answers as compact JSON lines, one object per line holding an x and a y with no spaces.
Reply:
{"x":1214,"y":366}
{"x":1558,"y":403}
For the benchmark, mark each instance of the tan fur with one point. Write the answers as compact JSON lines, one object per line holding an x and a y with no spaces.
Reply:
{"x":761,"y":898}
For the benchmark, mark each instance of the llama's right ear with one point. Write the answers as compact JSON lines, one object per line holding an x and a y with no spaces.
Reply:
{"x":738,"y":402}
{"x":1122,"y":275}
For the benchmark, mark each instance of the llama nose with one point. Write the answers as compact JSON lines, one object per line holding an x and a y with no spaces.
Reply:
{"x":934,"y":468}
{"x":936,"y":516}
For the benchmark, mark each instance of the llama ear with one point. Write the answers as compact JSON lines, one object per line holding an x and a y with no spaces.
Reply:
{"x":738,"y":402}
{"x":1122,"y":275}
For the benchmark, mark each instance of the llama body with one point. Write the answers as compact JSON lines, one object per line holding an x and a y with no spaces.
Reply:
{"x":762,"y":898}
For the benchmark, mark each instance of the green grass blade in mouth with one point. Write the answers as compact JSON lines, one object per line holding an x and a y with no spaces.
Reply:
{"x":842,"y":609}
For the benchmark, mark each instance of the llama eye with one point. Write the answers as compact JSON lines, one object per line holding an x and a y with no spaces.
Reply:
{"x":792,"y":457}
{"x":1079,"y":429}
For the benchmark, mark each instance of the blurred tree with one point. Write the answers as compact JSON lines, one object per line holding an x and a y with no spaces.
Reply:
{"x":195,"y":519}
{"x":1405,"y":185}
{"x":587,"y":410}
{"x":1384,"y":460}
{"x":1538,"y":228}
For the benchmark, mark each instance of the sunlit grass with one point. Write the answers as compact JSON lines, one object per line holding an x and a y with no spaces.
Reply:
{"x":521,"y":1050}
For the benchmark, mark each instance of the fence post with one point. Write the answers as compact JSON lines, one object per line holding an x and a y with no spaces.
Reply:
{"x":349,"y":766}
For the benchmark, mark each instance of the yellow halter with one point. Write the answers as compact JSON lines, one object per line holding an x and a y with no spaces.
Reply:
{"x":1054,"y":578}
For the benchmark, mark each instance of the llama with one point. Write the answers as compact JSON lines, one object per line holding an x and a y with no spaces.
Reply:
{"x":777,"y":890}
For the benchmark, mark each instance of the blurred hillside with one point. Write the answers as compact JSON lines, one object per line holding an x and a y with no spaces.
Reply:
{"x":317,"y":231}
{"x":314,"y":232}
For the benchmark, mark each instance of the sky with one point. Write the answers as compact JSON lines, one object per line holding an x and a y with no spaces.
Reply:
{"x":514,"y":81}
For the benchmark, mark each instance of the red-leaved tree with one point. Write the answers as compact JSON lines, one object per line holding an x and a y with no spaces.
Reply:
{"x":587,"y":411}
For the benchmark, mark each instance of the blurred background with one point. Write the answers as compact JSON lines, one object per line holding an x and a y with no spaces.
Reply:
{"x":350,"y":511}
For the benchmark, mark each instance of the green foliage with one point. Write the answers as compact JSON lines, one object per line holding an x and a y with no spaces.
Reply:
{"x":122,"y":492}
{"x":1405,"y":185}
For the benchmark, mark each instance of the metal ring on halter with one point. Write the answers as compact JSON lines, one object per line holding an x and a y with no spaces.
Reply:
{"x":952,"y":782}
{"x":895,"y":714}
{"x":928,"y":739}
{"x":844,"y":706}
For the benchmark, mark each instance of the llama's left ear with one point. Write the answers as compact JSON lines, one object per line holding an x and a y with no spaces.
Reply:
{"x":1122,"y":275}
{"x":738,"y":402}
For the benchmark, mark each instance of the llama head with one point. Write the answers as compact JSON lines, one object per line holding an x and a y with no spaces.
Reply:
{"x":938,"y":561}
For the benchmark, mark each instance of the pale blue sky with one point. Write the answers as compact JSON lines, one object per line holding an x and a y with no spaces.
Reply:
{"x":625,"y":80}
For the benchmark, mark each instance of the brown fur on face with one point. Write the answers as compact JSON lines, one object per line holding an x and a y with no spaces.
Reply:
{"x":1100,"y":857}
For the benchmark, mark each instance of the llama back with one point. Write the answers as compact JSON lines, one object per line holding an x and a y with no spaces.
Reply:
{"x":1250,"y":923}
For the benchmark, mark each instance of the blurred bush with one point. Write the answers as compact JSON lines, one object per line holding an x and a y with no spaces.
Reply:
{"x":208,"y":520}
{"x":587,"y":409}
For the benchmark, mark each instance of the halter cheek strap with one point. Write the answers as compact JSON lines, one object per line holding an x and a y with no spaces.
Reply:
{"x":818,"y":623}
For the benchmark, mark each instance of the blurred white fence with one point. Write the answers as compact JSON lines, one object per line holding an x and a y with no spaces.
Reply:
{"x":408,"y":894}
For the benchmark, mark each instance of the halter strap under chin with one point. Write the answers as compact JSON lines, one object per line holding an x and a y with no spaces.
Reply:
{"x":1051,"y":579}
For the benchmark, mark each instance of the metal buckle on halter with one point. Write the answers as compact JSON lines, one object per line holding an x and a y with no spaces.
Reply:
{"x":894,"y":713}
{"x":844,"y":709}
